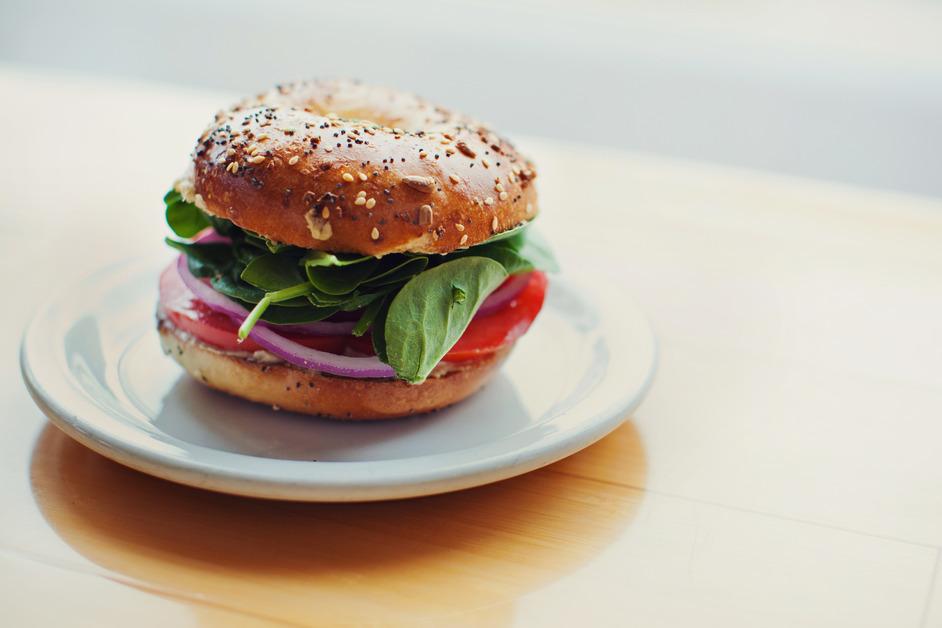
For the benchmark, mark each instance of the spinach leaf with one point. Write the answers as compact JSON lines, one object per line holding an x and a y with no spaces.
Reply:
{"x":427,"y":317}
{"x":322,"y":258}
{"x":245,"y":254}
{"x":223,"y":227}
{"x":535,"y":249}
{"x":272,"y":272}
{"x":322,"y":299}
{"x":186,"y":219}
{"x":501,"y":252}
{"x":361,"y":300}
{"x":378,"y":332}
{"x":510,"y":233}
{"x":281,"y":315}
{"x":230,"y":285}
{"x":212,"y":258}
{"x":397,"y":270}
{"x":370,"y":312}
{"x":339,"y":280}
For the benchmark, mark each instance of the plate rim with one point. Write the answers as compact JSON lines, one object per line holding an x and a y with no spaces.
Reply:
{"x":200,"y":474}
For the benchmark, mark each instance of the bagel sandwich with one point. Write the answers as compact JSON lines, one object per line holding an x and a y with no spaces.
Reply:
{"x":350,"y":251}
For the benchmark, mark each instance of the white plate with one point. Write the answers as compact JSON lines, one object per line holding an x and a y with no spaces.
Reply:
{"x":92,"y":362}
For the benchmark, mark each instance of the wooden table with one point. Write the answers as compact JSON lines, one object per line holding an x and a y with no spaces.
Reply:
{"x":785,"y":469}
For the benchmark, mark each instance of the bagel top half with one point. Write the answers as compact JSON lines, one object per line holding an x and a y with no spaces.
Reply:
{"x":345,"y":167}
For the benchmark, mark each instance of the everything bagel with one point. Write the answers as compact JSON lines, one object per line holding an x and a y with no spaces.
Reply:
{"x":344,"y":167}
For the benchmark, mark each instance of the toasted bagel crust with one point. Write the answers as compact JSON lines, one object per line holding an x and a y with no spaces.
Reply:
{"x":301,"y":390}
{"x":346,"y":167}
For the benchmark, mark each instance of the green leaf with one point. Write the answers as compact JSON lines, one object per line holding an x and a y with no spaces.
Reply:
{"x":296,"y":315}
{"x":369,"y":315}
{"x":396,"y":270}
{"x":425,"y":320}
{"x":223,"y":227}
{"x":503,"y":253}
{"x":322,"y":299}
{"x":340,"y":279}
{"x":272,"y":272}
{"x":378,"y":332}
{"x":234,"y":288}
{"x":322,"y":258}
{"x":510,"y":233}
{"x":186,"y":219}
{"x":538,"y":252}
{"x":245,"y":253}
{"x":360,"y":300}
{"x":212,"y":258}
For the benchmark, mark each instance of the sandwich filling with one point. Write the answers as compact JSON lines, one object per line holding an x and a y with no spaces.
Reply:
{"x":410,"y":311}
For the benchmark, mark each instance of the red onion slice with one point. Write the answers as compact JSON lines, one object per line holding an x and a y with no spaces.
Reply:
{"x":504,"y":294}
{"x":287,"y":350}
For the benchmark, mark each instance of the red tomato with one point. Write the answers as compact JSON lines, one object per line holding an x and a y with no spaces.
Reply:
{"x":193,"y":316}
{"x":487,"y":334}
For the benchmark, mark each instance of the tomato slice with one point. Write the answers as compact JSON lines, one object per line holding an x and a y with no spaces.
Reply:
{"x":193,"y":316}
{"x":487,"y":334}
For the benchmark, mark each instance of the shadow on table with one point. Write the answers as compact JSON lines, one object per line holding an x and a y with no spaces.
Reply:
{"x":456,"y":557}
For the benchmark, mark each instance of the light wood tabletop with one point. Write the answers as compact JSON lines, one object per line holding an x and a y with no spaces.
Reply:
{"x":784,"y":470}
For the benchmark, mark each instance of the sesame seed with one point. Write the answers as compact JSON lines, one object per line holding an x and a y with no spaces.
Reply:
{"x":503,"y":196}
{"x":231,"y":152}
{"x":361,"y":193}
{"x":375,"y":233}
{"x":233,"y":167}
{"x":347,"y":177}
{"x":262,"y":137}
{"x":485,"y":163}
{"x":488,"y":201}
{"x":494,"y":224}
{"x":499,"y":187}
{"x":422,"y":154}
{"x":425,"y":215}
{"x":361,"y":200}
{"x":257,"y":159}
{"x":454,"y":178}
{"x":325,"y":213}
{"x":362,"y":176}
{"x":459,"y":226}
{"x":251,"y":150}
{"x":464,"y":239}
{"x":418,"y":183}
{"x":293,"y":160}
{"x":371,"y":203}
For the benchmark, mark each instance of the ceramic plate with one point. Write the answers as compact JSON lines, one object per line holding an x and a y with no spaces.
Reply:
{"x":93,"y":363}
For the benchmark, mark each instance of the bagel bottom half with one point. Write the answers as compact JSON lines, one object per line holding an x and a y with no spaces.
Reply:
{"x":288,"y":387}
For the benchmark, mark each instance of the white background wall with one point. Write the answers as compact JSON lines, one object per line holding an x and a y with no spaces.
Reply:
{"x":846,"y":91}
